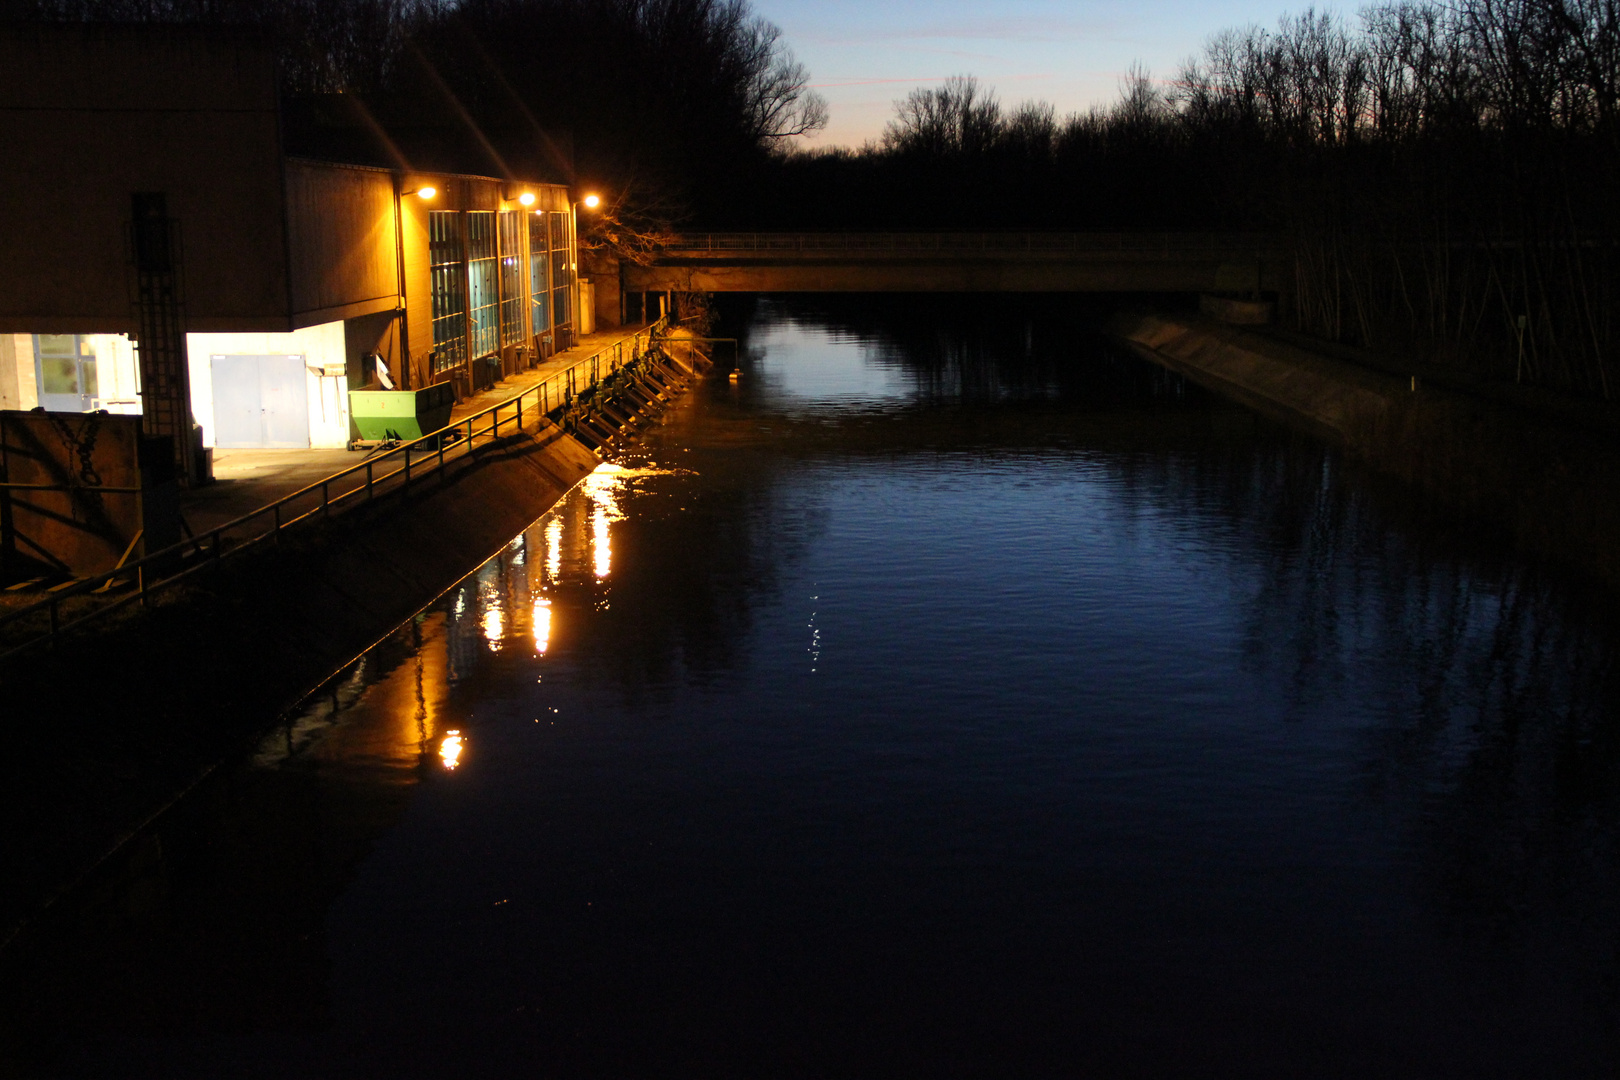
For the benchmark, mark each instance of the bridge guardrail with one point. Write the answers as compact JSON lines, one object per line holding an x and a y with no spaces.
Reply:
{"x":164,"y":569}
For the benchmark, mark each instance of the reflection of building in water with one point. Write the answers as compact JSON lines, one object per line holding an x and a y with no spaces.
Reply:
{"x":509,"y":597}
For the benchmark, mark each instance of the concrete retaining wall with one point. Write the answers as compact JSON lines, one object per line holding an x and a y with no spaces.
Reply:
{"x":1549,"y":482}
{"x":184,"y":685}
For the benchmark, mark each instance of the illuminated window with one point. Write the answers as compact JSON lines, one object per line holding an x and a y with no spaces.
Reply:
{"x":482,"y":281}
{"x":539,"y":285}
{"x":449,"y":276}
{"x":513,"y":294}
{"x":561,"y":276}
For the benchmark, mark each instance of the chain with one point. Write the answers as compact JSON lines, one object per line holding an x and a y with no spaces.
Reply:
{"x":82,"y":446}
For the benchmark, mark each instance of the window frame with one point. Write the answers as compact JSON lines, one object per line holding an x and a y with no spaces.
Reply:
{"x":448,"y":288}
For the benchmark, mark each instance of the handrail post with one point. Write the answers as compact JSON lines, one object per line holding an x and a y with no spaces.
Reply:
{"x":368,"y":482}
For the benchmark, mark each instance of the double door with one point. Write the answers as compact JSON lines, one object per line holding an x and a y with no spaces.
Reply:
{"x":260,"y":401}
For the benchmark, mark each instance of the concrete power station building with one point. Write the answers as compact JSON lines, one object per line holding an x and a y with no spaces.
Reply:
{"x":166,"y":256}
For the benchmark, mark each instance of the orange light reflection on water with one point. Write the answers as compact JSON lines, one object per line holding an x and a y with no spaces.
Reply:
{"x":601,"y":542}
{"x":602,"y":488}
{"x":450,"y":748}
{"x":541,"y":621}
{"x":554,"y":530}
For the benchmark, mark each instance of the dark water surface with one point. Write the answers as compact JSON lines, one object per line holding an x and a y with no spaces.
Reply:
{"x":935,"y":700}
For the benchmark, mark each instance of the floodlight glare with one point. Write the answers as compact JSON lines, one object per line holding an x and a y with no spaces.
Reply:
{"x":592,"y":202}
{"x":527,"y":198}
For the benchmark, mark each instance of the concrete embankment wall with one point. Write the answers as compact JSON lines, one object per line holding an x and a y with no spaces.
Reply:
{"x":1547,"y":477}
{"x":180,"y":687}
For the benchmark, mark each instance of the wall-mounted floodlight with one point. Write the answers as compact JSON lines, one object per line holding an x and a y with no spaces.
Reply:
{"x":527,"y":198}
{"x":422,"y":192}
{"x":592,"y":201}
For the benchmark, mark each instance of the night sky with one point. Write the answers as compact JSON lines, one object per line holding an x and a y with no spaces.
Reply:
{"x":863,"y":54}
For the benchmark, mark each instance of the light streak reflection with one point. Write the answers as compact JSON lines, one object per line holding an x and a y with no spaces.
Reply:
{"x":601,"y":542}
{"x":494,"y":627}
{"x":602,"y":487}
{"x":541,"y":621}
{"x":554,"y":531}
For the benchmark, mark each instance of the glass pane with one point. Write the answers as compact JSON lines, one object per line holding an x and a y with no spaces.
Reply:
{"x":57,"y":345}
{"x":444,"y":237}
{"x":59,"y":374}
{"x":539,"y":291}
{"x":481,"y":234}
{"x":514,"y":292}
{"x":483,"y":283}
{"x":87,"y":376}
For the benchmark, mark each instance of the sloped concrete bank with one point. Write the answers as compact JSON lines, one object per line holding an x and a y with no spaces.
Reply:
{"x":1546,"y":475}
{"x":104,"y":732}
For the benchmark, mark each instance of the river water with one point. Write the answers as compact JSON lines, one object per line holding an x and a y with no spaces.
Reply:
{"x":948,"y":695}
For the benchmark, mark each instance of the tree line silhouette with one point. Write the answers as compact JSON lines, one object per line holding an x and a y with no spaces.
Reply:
{"x":1446,"y":173}
{"x":1445,"y":169}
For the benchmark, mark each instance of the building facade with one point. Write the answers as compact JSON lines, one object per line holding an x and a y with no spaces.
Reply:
{"x":157,"y":194}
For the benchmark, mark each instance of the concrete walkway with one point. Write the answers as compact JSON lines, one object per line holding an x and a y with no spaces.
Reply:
{"x":248,"y":479}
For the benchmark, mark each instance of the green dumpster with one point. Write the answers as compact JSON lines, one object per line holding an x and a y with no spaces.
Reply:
{"x":380,"y":415}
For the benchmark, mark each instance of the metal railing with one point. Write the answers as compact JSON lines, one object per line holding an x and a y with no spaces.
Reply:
{"x":394,"y":470}
{"x":966,"y":243}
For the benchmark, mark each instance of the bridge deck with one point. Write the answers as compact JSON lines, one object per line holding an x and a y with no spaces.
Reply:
{"x":969,"y":244}
{"x":966,"y":262}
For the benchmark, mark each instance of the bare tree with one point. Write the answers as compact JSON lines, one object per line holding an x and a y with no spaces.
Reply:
{"x":955,"y":118}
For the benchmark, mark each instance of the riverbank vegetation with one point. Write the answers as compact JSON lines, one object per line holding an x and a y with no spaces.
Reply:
{"x":1446,"y":172}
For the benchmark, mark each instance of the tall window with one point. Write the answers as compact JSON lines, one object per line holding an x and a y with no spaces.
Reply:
{"x":513,"y":294}
{"x":561,"y":276}
{"x":539,"y":286}
{"x":449,"y":277}
{"x":482,"y":276}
